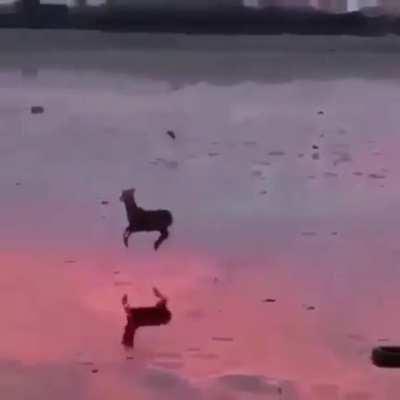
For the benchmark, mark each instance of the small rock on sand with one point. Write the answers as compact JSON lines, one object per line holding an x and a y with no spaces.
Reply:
{"x":37,"y":110}
{"x":376,"y":176}
{"x":105,"y":202}
{"x":269,"y":300}
{"x":222,"y":339}
{"x":171,"y":134}
{"x":276,"y":153}
{"x":315,"y":156}
{"x":95,"y":370}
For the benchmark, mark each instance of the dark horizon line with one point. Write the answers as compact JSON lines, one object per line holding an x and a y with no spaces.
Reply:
{"x":234,"y":20}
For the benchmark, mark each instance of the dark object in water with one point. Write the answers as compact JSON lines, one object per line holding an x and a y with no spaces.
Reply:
{"x":141,"y":220}
{"x":386,"y":356}
{"x":269,"y":300}
{"x":37,"y":110}
{"x":171,"y":134}
{"x":144,"y":316}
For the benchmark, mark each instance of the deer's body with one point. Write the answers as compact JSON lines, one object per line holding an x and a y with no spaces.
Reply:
{"x":141,"y":220}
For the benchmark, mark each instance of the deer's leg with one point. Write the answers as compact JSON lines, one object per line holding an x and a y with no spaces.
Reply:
{"x":126,"y":235}
{"x":163,"y":235}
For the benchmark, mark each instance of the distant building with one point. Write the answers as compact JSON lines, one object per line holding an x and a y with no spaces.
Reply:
{"x":390,"y":6}
{"x":189,"y":5}
{"x":80,"y":3}
{"x":34,"y":14}
{"x":284,"y":3}
{"x":334,"y":6}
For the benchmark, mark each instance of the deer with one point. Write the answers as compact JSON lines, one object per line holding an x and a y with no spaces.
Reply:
{"x":141,"y":220}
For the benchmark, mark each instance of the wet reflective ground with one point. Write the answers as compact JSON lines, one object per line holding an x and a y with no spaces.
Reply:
{"x":281,"y":268}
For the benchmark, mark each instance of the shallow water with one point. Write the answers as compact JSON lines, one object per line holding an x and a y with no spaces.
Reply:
{"x":253,"y":218}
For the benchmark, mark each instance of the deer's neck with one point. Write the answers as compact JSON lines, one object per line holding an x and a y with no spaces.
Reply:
{"x":131,"y":204}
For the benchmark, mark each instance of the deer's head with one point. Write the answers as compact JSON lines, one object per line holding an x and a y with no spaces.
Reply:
{"x":127,"y":194}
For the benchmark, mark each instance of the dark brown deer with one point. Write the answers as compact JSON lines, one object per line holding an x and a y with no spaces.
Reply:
{"x":141,"y":220}
{"x":144,"y":316}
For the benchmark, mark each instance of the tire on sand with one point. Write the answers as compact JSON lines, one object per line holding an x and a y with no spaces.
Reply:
{"x":386,"y":356}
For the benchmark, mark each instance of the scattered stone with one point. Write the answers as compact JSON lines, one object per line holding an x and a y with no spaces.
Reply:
{"x":263,"y":192}
{"x":105,"y":202}
{"x":376,"y":176}
{"x":222,"y":339}
{"x":315,"y":147}
{"x":256,"y":173}
{"x":300,"y":155}
{"x":383,"y":340}
{"x":321,"y":135}
{"x":95,"y":370}
{"x":315,"y":156}
{"x":308,"y":233}
{"x":215,"y":143}
{"x":311,"y":177}
{"x":193,"y":349}
{"x":276,"y":153}
{"x":70,"y":261}
{"x":320,"y":112}
{"x":334,"y":233}
{"x":171,"y":134}
{"x":37,"y":110}
{"x":129,"y":357}
{"x":330,"y":175}
{"x":213,"y":154}
{"x":310,"y":308}
{"x":269,"y":300}
{"x":250,"y":143}
{"x":116,"y":272}
{"x":357,"y":173}
{"x":123,"y":283}
{"x":18,"y":184}
{"x":86,"y":362}
{"x":343,"y":157}
{"x":267,"y":163}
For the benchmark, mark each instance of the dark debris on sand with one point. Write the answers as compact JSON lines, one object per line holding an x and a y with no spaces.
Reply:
{"x":171,"y":134}
{"x":105,"y":202}
{"x":269,"y":300}
{"x":37,"y":110}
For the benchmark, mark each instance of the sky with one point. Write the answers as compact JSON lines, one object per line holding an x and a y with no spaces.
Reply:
{"x":257,"y":215}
